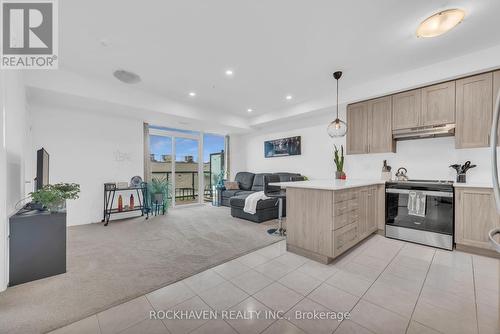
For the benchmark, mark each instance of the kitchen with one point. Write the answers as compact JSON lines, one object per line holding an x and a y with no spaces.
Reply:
{"x":451,"y":212}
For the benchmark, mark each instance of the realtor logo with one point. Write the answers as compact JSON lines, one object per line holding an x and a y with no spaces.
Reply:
{"x":29,"y":34}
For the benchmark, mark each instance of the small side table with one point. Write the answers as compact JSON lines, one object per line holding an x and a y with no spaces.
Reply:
{"x":110,"y":189}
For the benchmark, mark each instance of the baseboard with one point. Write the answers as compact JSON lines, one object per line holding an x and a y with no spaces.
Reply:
{"x":310,"y":255}
{"x":477,"y":251}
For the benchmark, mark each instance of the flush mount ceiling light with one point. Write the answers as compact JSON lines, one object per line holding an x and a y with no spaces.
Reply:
{"x":127,"y":77}
{"x":249,"y":110}
{"x":440,"y":23}
{"x":289,"y":97}
{"x":192,"y":94}
{"x":337,"y":128}
{"x":229,"y":73}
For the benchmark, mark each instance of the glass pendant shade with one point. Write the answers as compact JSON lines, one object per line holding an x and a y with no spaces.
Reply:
{"x":337,"y":128}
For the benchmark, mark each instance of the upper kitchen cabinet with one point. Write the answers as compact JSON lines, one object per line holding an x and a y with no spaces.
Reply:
{"x":474,"y":111}
{"x":357,"y":133}
{"x":406,"y":109}
{"x":438,"y":104}
{"x":496,"y":91}
{"x":370,"y":127}
{"x":380,"y":126}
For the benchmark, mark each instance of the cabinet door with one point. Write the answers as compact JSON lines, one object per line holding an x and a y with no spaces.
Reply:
{"x":475,"y":216}
{"x":380,"y":125}
{"x":474,"y":103}
{"x":372,"y":210}
{"x":406,"y":108}
{"x":438,"y":104}
{"x":496,"y":92}
{"x":363,"y":211}
{"x":357,"y":128}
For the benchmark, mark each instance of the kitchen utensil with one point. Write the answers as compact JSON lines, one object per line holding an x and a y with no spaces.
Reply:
{"x":456,"y":167}
{"x":471,"y":166}
{"x":465,"y":166}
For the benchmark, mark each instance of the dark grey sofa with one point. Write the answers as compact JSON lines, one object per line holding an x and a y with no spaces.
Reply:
{"x":266,"y":209}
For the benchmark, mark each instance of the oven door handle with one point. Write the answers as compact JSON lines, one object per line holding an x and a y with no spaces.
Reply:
{"x":425,"y":192}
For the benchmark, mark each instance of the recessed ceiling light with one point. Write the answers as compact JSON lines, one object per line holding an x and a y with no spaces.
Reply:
{"x":127,"y":76}
{"x":192,"y":94}
{"x":440,"y":23}
{"x":229,"y":73}
{"x":289,"y":97}
{"x":249,"y":109}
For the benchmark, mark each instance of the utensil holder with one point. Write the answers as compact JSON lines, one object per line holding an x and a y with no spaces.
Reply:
{"x":461,"y":178}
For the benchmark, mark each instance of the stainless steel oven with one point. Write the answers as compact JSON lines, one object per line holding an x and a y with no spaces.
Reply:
{"x":421,"y":212}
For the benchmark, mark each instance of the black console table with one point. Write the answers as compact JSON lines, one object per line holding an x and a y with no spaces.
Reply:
{"x":110,"y":189}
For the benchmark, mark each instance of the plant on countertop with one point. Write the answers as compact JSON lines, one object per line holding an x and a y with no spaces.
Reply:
{"x":54,"y":196}
{"x":339,"y":161}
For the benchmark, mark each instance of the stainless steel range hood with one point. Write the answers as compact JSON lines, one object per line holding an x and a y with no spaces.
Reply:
{"x":442,"y":130}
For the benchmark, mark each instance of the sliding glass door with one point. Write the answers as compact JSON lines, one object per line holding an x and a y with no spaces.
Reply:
{"x":187,"y":164}
{"x":191,"y":161}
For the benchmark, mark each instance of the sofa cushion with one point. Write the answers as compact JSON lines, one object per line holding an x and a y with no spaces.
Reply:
{"x":258,"y":182}
{"x":231,"y":193}
{"x":239,"y":202}
{"x":231,"y":185}
{"x":245,"y":180}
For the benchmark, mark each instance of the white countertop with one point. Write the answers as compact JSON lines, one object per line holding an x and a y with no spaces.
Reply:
{"x":473,"y":185}
{"x":328,"y":184}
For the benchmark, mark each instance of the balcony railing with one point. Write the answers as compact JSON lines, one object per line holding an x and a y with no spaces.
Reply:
{"x":189,"y":191}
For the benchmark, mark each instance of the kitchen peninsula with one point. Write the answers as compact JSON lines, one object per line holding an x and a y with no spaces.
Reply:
{"x":325,"y":218}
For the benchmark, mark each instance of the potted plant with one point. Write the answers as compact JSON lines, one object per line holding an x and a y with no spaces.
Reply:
{"x":339,"y":162}
{"x":52,"y":197}
{"x":160,"y":190}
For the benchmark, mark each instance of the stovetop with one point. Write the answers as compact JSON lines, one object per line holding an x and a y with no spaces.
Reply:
{"x":445,"y":185}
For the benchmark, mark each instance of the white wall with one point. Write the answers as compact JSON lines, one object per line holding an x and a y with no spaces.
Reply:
{"x":88,"y":148}
{"x":15,"y":138}
{"x":424,"y":158}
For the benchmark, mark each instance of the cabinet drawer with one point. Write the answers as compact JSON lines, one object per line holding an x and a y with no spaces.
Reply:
{"x":345,"y":195}
{"x":344,"y":207}
{"x":345,"y":219}
{"x":344,"y":238}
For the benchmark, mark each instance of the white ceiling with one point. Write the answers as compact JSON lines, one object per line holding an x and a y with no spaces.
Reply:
{"x":275,"y":48}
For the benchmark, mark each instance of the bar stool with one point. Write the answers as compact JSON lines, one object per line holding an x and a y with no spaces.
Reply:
{"x":279,"y":194}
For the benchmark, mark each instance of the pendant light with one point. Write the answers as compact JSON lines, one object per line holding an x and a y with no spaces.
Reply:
{"x":337,"y":128}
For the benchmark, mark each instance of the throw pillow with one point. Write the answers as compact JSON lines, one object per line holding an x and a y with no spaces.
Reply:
{"x":231,"y":185}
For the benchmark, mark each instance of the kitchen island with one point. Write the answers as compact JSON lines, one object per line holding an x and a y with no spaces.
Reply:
{"x":325,"y":218}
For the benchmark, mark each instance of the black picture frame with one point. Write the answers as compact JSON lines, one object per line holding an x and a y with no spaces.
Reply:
{"x":283,"y":147}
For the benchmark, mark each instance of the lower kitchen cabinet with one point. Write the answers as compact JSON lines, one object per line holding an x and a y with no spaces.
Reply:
{"x":475,"y":216}
{"x":322,"y":224}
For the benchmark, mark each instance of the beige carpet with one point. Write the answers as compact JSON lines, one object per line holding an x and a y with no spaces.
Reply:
{"x":109,"y":265}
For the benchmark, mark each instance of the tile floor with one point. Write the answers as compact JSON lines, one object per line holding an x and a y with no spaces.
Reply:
{"x":388,"y":286}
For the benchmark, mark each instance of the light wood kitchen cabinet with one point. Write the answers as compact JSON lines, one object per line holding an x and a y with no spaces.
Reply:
{"x":438,"y":104}
{"x":496,"y":92}
{"x":380,"y":126}
{"x":475,"y":216}
{"x":357,"y":131}
{"x":322,"y":224}
{"x":474,"y":103}
{"x":370,"y":127}
{"x":406,"y":109}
